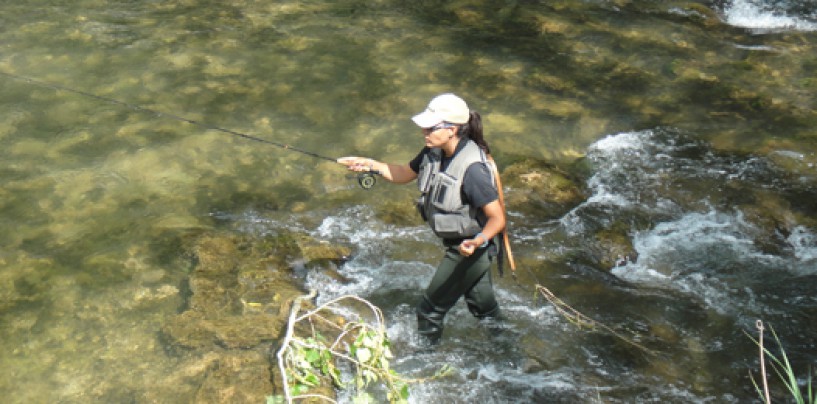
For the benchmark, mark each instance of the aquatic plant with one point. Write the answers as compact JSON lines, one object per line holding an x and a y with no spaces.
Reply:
{"x":782,"y":367}
{"x":309,"y":357}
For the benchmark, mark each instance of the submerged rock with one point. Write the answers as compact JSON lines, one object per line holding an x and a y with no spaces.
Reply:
{"x":237,"y":377}
{"x":613,"y":247}
{"x":240,"y":293}
{"x":400,"y":212}
{"x":541,"y":188}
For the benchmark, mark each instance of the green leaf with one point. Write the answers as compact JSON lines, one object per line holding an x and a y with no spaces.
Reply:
{"x":313,"y":355}
{"x":312,"y":379}
{"x":363,"y":398}
{"x":275,"y":399}
{"x":370,"y":376}
{"x":363,"y":355}
{"x":335,"y":374}
{"x":299,"y":389}
{"x":445,"y":370}
{"x":384,"y":363}
{"x":404,"y":392}
{"x":368,"y":341}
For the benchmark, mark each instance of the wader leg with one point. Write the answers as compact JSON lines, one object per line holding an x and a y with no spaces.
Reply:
{"x":481,"y":300}
{"x":483,"y":305}
{"x":455,"y":276}
{"x":430,"y":321}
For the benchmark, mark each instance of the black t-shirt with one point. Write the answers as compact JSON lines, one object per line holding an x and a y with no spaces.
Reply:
{"x":477,"y":186}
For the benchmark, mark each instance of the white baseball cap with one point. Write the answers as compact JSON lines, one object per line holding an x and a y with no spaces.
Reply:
{"x":443,"y":108}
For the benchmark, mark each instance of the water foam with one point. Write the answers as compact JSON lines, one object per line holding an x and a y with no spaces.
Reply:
{"x":710,"y":256}
{"x":629,"y":168}
{"x":757,"y":14}
{"x":369,"y":270}
{"x":804,"y":244}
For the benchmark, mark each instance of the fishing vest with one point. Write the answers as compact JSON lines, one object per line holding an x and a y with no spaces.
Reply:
{"x":440,"y":203}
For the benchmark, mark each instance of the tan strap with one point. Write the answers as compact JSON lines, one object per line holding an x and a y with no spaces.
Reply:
{"x":505,"y":238}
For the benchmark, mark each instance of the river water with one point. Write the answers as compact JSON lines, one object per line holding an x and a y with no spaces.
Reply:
{"x":694,"y":121}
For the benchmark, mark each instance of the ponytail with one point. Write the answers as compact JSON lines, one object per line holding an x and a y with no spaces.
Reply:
{"x":473,"y":130}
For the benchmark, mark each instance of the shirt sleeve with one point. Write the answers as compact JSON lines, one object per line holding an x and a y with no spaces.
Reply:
{"x":414,"y":164}
{"x":478,"y":187}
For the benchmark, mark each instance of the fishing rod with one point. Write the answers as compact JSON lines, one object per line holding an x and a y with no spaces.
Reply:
{"x":366,"y":179}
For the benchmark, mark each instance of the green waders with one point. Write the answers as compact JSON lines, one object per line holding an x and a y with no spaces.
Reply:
{"x":457,"y":276}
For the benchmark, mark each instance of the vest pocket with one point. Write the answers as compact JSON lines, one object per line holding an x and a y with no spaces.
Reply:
{"x":453,"y":225}
{"x":425,"y":178}
{"x":445,"y":194}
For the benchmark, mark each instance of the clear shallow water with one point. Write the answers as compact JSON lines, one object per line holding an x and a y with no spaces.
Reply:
{"x":97,"y":199}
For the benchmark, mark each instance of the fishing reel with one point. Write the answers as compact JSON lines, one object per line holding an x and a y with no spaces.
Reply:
{"x":367,"y":179}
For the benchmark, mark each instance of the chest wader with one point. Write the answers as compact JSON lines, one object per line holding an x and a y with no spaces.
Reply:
{"x":441,"y":205}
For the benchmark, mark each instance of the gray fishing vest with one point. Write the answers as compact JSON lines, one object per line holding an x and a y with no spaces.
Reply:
{"x":440,"y":203}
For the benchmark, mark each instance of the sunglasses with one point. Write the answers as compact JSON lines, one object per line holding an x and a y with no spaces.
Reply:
{"x":438,"y":126}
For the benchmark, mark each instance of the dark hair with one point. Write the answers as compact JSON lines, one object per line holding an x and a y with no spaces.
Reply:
{"x":473,"y":130}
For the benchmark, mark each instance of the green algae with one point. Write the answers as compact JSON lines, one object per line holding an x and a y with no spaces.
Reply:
{"x":541,"y":188}
{"x":240,"y":291}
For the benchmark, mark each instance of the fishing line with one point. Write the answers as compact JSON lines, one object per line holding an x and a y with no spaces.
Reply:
{"x":366,"y":179}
